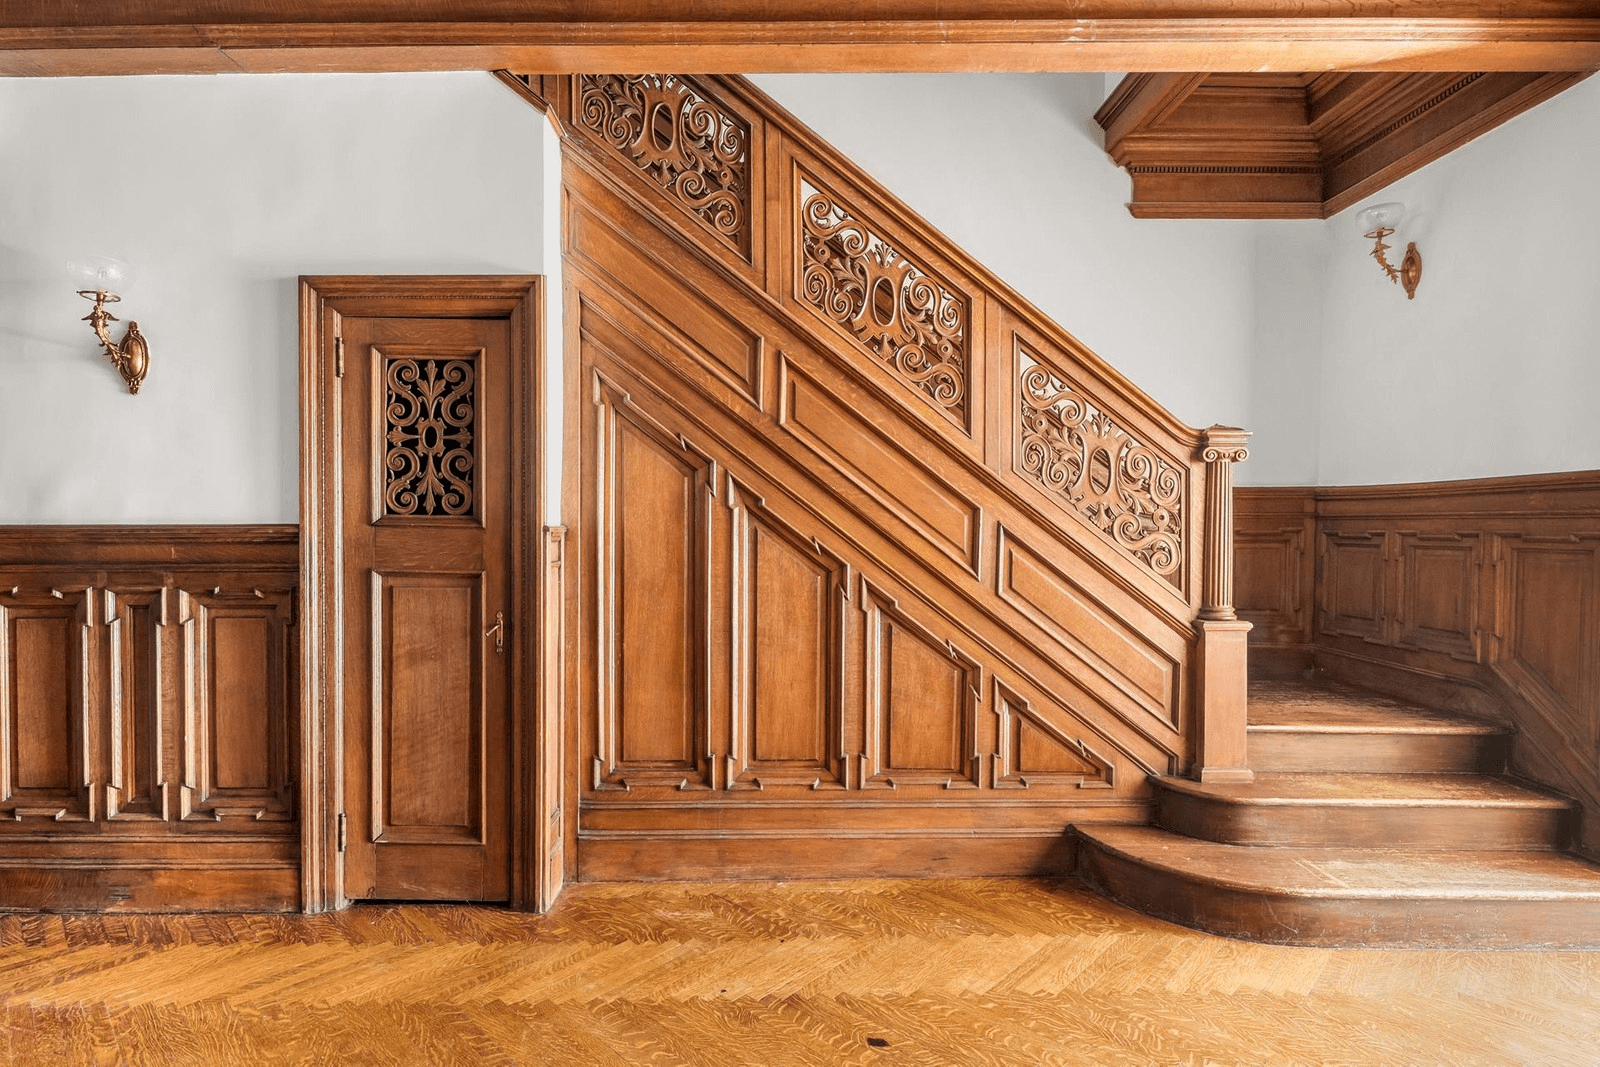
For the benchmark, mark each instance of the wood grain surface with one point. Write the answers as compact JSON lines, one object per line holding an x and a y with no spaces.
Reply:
{"x":987,"y":971}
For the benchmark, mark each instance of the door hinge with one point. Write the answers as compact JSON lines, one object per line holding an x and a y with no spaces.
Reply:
{"x":338,"y":357}
{"x":342,"y":838}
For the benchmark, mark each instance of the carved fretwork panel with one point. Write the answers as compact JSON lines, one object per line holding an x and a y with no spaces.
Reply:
{"x":238,"y":707}
{"x":1353,"y":588}
{"x":1079,"y":454}
{"x":896,"y":309}
{"x":922,"y":696}
{"x":686,"y":143}
{"x":1033,"y":751}
{"x":136,"y":787}
{"x":653,"y":608}
{"x":426,"y":450}
{"x":788,"y":669}
{"x":46,"y":771}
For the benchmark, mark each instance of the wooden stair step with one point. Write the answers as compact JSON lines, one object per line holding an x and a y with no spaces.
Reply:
{"x":1325,"y":726}
{"x":1363,"y":810}
{"x":1348,"y":897}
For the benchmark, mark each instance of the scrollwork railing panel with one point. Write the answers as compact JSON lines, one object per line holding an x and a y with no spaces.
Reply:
{"x":1078,"y":453}
{"x":905,"y":317}
{"x":697,"y":152}
{"x":429,"y":411}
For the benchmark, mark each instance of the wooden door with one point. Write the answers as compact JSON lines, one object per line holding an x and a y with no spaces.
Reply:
{"x":426,"y":409}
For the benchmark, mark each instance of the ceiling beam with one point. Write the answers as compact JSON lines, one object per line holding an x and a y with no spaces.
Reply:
{"x":78,"y":37}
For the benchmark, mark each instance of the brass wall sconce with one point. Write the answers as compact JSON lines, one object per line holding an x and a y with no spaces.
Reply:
{"x":1380,"y":221}
{"x":131,"y":355}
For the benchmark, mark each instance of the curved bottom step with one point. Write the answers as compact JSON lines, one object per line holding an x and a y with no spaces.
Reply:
{"x":1378,"y":898}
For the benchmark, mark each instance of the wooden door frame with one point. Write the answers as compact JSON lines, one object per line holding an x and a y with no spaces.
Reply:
{"x":323,"y":301}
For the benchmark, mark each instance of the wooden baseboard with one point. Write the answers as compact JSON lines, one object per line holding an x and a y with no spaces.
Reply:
{"x":99,"y":887}
{"x":811,"y":856}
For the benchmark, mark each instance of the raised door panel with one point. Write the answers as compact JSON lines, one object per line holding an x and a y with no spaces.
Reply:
{"x":654,"y":606}
{"x":922,"y":696}
{"x":46,"y":772}
{"x":788,"y":662}
{"x":237,"y":709}
{"x":428,"y":711}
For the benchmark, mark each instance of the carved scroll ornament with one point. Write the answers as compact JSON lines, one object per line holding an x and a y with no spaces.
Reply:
{"x":911,"y":323}
{"x":694,"y":150}
{"x":428,"y":413}
{"x":1078,"y":452}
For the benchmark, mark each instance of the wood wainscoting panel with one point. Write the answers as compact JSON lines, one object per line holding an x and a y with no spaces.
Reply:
{"x":1548,"y":634}
{"x":1480,"y":596}
{"x":237,"y":678}
{"x":1275,"y":563}
{"x":148,"y":706}
{"x":48,"y":771}
{"x":1134,"y":652}
{"x":1439,"y":593}
{"x":652,"y":575}
{"x":880,"y":467}
{"x":922,"y":697}
{"x":1354,"y":590}
{"x":788,"y":657}
{"x":137,"y":785}
{"x":639,"y":286}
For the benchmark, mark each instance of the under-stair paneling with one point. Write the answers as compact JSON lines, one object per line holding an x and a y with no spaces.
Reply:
{"x":1479,"y":595}
{"x":843,"y":607}
{"x":148,"y":689}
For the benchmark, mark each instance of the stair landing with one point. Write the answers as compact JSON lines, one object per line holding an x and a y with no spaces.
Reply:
{"x":1407,"y":838}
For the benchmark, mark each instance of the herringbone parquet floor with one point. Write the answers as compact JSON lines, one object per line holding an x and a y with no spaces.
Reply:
{"x":977,"y":971}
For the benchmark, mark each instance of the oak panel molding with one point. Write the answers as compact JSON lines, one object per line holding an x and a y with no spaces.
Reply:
{"x":40,"y":37}
{"x":1273,"y":145}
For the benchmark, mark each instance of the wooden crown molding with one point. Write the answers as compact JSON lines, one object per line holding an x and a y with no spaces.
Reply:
{"x":1298,"y":146}
{"x":88,"y":37}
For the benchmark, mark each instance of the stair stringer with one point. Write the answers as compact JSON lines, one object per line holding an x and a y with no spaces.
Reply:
{"x":837,"y":675}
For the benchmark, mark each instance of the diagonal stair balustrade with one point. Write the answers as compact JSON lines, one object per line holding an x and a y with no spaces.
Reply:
{"x":881,"y":569}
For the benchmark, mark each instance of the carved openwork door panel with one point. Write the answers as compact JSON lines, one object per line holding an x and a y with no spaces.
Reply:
{"x":426,"y":411}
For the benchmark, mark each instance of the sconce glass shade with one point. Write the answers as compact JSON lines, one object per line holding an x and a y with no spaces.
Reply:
{"x":1382,"y":217}
{"x":100,"y":274}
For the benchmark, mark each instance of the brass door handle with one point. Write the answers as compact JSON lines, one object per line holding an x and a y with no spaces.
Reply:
{"x":498,"y":631}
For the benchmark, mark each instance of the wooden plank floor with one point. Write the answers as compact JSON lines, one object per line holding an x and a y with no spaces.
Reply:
{"x":974,"y":971}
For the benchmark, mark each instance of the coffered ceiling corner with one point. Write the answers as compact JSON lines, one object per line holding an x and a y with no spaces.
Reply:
{"x":1298,"y":146}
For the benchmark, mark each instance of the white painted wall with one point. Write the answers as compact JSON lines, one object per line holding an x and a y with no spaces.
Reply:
{"x":1494,"y":368}
{"x":1012,"y":168}
{"x":222,"y":191}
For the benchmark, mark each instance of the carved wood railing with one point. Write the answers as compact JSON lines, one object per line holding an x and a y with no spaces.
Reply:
{"x":1007,"y":398}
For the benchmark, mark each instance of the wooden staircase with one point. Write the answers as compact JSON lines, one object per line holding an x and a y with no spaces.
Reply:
{"x":1370,"y":822}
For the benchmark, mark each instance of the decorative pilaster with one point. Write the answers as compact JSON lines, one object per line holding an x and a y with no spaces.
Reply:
{"x":1220,"y":737}
{"x":1220,"y":448}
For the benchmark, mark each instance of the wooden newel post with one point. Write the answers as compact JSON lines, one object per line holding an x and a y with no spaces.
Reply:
{"x":1223,"y":663}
